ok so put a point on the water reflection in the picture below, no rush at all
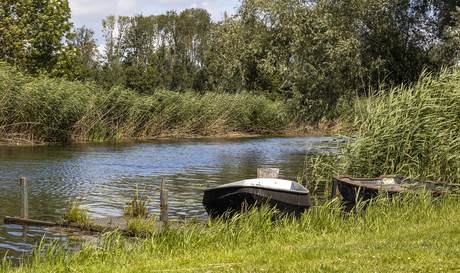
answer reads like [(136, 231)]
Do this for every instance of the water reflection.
[(104, 175)]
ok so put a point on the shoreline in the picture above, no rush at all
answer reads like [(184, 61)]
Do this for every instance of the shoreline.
[(322, 129)]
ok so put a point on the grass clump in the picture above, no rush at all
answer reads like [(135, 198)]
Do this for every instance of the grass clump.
[(138, 207), (389, 235), (75, 213), (142, 227)]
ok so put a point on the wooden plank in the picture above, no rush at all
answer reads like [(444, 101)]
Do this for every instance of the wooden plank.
[(267, 173), (23, 221)]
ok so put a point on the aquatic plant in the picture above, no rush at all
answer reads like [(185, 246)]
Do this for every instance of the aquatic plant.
[(138, 207), (75, 213)]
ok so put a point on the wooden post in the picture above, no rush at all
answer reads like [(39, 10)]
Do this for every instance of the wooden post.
[(24, 205), (267, 173), (163, 201)]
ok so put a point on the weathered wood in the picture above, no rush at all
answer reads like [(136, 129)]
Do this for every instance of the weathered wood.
[(164, 198), (267, 173), (164, 215), (24, 193), (163, 182), (92, 227), (164, 205), (163, 201), (23, 221)]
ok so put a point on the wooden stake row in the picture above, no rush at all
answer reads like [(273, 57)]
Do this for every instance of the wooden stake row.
[(25, 206)]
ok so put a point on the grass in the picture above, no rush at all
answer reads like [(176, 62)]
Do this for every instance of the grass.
[(138, 207), (142, 227), (75, 213), (57, 110), (417, 233), (409, 130)]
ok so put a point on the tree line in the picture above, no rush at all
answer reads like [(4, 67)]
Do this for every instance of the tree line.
[(311, 54)]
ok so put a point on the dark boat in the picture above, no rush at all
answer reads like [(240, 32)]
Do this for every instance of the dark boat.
[(353, 189), (287, 196)]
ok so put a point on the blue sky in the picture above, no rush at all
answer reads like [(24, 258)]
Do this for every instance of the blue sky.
[(91, 12)]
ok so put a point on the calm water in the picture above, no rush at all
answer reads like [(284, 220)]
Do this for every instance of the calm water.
[(104, 175)]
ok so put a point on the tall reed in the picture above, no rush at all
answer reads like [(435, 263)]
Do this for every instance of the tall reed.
[(55, 110), (411, 130)]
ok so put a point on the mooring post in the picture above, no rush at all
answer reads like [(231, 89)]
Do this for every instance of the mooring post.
[(24, 206), (163, 201)]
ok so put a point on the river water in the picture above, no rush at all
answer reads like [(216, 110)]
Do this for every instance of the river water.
[(103, 176)]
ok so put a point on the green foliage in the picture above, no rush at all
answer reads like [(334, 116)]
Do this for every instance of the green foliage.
[(98, 133), (411, 131), (32, 36), (450, 49), (408, 234), (314, 55), (398, 38), (151, 51), (74, 213), (324, 52), (308, 53), (142, 227), (139, 206), (55, 110), (86, 64)]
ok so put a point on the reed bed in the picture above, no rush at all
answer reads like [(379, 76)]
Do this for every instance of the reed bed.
[(411, 232), (410, 130), (57, 110)]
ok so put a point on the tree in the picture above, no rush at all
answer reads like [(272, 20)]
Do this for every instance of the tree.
[(139, 63), (398, 35), (13, 33), (292, 47), (86, 64), (113, 29), (164, 50), (33, 34), (318, 52)]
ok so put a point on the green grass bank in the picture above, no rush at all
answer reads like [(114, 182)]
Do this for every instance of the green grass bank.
[(57, 110), (415, 233)]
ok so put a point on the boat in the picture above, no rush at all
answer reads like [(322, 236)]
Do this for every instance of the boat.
[(353, 189), (287, 196)]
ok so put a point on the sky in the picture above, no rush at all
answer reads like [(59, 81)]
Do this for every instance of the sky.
[(90, 13)]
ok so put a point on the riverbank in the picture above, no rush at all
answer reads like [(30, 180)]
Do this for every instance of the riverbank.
[(415, 233), (46, 110)]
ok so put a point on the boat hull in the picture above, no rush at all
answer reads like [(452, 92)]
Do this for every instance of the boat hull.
[(354, 189), (220, 200)]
